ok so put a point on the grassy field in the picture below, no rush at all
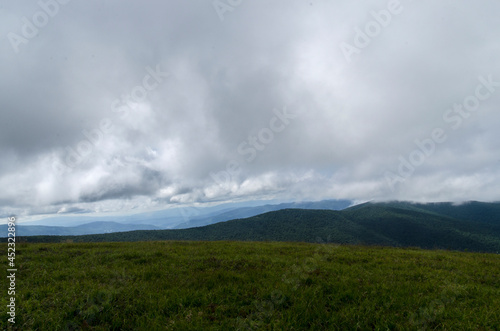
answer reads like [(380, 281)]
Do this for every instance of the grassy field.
[(250, 286)]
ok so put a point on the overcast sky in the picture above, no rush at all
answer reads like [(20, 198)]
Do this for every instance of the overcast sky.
[(126, 105)]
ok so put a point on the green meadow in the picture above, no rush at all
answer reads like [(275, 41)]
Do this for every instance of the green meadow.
[(181, 285)]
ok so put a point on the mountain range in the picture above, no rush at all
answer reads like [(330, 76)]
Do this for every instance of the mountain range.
[(180, 218), (256, 210), (88, 228), (473, 226)]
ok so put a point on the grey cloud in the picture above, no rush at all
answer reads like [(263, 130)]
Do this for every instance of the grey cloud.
[(225, 78)]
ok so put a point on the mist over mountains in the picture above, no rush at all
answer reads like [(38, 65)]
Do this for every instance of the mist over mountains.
[(179, 218), (88, 228), (473, 226)]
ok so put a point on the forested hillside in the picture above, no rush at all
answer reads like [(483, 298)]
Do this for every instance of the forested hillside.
[(387, 224)]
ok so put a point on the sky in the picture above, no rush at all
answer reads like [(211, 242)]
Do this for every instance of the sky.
[(122, 106)]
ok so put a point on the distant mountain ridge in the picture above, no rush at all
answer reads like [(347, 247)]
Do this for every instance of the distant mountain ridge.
[(253, 211), (164, 219), (88, 228), (473, 226)]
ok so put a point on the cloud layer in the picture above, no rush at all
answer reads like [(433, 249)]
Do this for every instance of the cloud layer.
[(121, 105)]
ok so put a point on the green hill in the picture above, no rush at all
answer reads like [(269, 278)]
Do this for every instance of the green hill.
[(172, 285), (471, 211), (473, 227)]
